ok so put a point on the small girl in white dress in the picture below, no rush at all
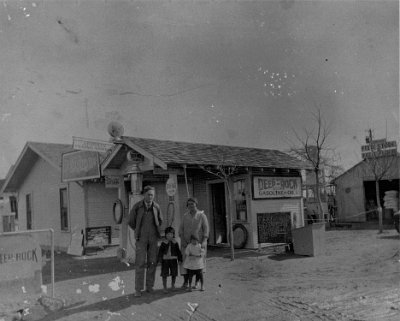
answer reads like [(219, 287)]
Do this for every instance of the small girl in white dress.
[(194, 262)]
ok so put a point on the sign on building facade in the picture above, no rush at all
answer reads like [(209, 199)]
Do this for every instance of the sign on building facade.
[(276, 187), (93, 145)]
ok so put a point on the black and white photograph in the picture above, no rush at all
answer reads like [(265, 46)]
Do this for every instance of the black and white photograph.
[(202, 160)]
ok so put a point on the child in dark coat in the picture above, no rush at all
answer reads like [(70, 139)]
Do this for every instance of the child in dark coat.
[(169, 255)]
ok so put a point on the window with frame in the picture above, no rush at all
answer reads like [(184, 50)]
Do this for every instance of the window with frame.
[(239, 190), (13, 206), (8, 223), (28, 200), (64, 209)]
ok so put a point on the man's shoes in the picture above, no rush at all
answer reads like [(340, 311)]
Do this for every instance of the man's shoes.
[(184, 286), (195, 286), (149, 290), (138, 294)]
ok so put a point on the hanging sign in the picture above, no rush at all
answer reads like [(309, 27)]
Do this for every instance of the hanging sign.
[(91, 144), (80, 165)]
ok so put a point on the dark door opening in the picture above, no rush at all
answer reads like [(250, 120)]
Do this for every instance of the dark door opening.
[(218, 213)]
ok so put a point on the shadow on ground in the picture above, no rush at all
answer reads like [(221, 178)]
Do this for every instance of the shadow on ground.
[(390, 237), (287, 256), (109, 306), (69, 267)]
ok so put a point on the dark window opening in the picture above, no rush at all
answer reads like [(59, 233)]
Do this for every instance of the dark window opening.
[(28, 212), (64, 209)]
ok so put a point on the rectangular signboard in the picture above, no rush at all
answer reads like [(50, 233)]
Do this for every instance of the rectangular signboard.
[(80, 165), (112, 181), (91, 144), (98, 236), (276, 187), (379, 148)]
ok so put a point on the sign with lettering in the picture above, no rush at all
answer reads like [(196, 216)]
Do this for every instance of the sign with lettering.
[(93, 145), (98, 236), (274, 227), (276, 187), (20, 263), (112, 181), (379, 148), (80, 165)]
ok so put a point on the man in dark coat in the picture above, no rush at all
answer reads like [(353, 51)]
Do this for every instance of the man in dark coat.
[(145, 219)]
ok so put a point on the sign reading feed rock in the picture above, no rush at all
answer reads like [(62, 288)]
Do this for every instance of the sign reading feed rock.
[(20, 263), (276, 187)]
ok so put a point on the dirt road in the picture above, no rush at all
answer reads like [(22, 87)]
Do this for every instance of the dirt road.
[(357, 279)]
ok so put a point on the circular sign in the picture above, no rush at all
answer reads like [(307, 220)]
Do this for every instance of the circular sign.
[(171, 187)]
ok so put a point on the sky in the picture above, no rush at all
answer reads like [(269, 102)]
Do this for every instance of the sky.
[(242, 73)]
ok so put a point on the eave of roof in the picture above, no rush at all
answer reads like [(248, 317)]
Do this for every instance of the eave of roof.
[(50, 152), (170, 152)]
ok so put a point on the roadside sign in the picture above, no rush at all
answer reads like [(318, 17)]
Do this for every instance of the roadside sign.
[(93, 145), (80, 165), (378, 148)]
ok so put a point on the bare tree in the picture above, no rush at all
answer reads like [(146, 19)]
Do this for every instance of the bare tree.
[(225, 172), (378, 165), (313, 150)]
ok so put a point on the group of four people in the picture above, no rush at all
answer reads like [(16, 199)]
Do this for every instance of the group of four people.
[(145, 219)]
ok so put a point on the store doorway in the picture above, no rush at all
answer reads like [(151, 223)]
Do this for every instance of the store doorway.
[(218, 213)]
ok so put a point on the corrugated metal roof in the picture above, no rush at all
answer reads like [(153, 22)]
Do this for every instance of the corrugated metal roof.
[(172, 152)]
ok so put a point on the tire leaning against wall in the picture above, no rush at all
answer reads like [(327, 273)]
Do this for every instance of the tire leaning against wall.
[(240, 235)]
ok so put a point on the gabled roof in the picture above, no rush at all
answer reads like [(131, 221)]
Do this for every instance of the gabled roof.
[(171, 152), (396, 165), (51, 153)]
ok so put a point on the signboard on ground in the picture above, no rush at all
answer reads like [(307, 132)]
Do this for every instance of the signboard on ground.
[(274, 227), (379, 148), (98, 236), (80, 165), (93, 145), (276, 187), (20, 264)]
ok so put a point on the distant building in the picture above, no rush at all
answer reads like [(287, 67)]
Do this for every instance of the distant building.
[(356, 197)]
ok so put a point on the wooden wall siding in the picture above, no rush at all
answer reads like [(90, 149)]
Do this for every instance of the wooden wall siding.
[(43, 183), (100, 206), (350, 196)]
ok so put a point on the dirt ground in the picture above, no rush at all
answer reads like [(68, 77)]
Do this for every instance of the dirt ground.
[(357, 279)]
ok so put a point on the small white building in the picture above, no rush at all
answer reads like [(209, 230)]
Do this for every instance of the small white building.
[(44, 201)]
